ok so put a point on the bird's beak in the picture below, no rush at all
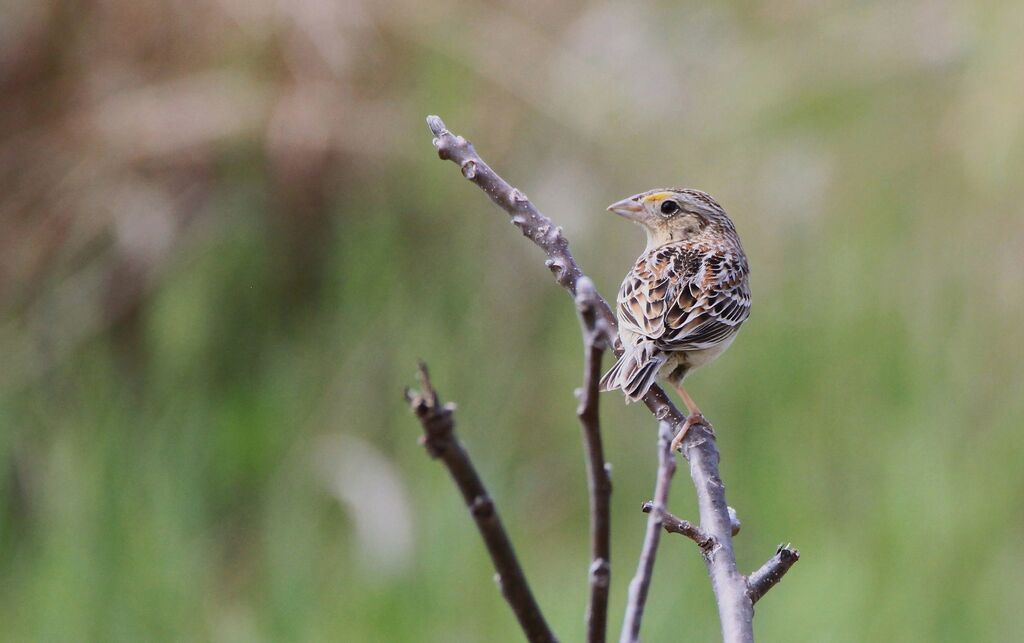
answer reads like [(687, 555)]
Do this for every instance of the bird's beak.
[(628, 208)]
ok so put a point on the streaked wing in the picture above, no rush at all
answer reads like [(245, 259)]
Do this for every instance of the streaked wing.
[(684, 298)]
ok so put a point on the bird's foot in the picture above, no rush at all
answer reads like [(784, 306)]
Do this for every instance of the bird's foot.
[(691, 420)]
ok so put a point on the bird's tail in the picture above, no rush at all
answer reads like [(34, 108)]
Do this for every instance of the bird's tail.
[(635, 371)]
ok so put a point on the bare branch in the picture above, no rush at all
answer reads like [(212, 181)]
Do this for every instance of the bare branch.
[(596, 337), (676, 525), (441, 443), (771, 572), (641, 583), (534, 225), (735, 611)]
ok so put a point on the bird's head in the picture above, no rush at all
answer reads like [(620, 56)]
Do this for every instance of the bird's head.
[(673, 214)]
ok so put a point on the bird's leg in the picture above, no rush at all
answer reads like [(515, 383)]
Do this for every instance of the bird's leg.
[(693, 416)]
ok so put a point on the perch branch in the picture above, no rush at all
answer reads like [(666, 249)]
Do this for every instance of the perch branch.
[(596, 337), (771, 572), (735, 610), (441, 443), (641, 583)]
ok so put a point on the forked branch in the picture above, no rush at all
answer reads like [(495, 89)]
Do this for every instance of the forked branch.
[(735, 603)]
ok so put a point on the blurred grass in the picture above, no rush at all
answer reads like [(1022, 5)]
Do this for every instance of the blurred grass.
[(161, 426)]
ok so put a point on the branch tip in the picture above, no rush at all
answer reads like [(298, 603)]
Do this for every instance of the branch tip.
[(676, 525), (436, 125), (426, 395), (771, 573)]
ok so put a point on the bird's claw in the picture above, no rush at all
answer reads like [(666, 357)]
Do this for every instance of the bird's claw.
[(691, 420)]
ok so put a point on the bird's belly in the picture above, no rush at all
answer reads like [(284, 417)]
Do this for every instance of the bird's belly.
[(695, 359)]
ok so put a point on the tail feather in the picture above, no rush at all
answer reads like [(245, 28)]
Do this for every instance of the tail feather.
[(610, 381), (642, 380), (634, 372)]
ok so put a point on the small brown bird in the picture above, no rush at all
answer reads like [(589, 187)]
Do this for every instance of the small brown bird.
[(683, 302)]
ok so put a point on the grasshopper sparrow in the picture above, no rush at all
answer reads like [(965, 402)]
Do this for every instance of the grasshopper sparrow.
[(682, 303)]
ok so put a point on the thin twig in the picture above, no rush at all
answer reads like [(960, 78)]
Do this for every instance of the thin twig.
[(676, 525), (771, 572), (641, 583), (441, 443), (596, 337)]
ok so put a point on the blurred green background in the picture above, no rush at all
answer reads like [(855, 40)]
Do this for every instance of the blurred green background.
[(225, 239)]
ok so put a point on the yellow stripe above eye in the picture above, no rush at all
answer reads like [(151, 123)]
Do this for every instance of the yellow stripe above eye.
[(657, 196)]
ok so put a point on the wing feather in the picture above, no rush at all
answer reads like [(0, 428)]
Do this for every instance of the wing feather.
[(684, 298)]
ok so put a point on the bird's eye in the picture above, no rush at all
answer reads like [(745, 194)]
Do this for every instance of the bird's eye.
[(669, 207)]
